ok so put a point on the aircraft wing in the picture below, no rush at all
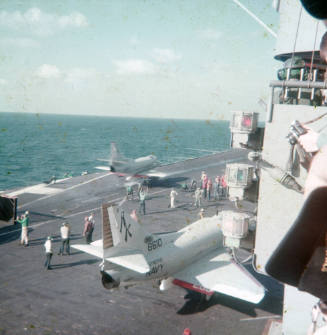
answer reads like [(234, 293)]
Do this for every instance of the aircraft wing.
[(104, 168), (103, 160), (95, 248), (133, 261), (128, 258), (150, 173), (219, 272), (159, 174), (146, 174)]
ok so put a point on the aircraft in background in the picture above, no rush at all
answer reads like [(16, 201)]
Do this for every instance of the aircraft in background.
[(193, 257), (141, 167)]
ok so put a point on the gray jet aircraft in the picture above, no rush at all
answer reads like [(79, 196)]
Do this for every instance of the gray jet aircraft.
[(139, 167), (193, 257)]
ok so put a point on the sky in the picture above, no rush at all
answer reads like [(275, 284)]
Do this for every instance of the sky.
[(167, 59)]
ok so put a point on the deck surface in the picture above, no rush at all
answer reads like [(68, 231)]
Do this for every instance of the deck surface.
[(70, 298)]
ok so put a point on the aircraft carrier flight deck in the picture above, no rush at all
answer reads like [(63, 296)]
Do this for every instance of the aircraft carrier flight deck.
[(70, 298)]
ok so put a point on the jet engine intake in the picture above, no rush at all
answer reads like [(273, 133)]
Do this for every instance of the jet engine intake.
[(108, 282)]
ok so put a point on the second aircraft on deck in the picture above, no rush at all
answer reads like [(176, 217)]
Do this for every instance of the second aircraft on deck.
[(140, 167)]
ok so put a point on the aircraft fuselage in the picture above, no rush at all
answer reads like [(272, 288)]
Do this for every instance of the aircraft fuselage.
[(135, 166), (169, 253)]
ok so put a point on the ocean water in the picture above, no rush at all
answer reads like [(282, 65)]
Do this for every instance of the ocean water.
[(34, 147)]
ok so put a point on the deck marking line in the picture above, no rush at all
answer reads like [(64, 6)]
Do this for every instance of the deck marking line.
[(64, 190)]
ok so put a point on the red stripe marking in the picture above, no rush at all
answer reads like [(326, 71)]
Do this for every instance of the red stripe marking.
[(196, 288)]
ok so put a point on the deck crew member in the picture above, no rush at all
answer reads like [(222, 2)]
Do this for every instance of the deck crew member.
[(216, 188), (237, 203), (204, 181), (193, 185), (92, 220), (209, 188), (129, 192), (173, 195), (198, 195), (87, 230), (48, 252), (142, 201), (201, 213), (223, 186), (24, 221), (65, 237)]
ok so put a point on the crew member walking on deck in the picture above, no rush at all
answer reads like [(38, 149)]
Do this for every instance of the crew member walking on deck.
[(209, 188), (216, 188), (237, 203), (24, 221), (201, 213), (92, 220), (87, 230), (129, 192), (173, 194), (48, 253), (223, 187), (142, 201), (197, 195), (65, 236), (204, 182)]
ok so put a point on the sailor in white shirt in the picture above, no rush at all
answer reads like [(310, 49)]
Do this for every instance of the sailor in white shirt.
[(48, 252), (65, 236), (173, 195)]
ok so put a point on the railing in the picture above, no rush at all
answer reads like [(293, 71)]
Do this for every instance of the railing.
[(300, 84)]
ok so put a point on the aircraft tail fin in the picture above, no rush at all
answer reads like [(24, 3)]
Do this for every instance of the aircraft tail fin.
[(117, 160), (114, 152), (122, 228), (124, 241)]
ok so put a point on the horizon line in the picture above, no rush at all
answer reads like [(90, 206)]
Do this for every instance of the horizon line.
[(124, 117)]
